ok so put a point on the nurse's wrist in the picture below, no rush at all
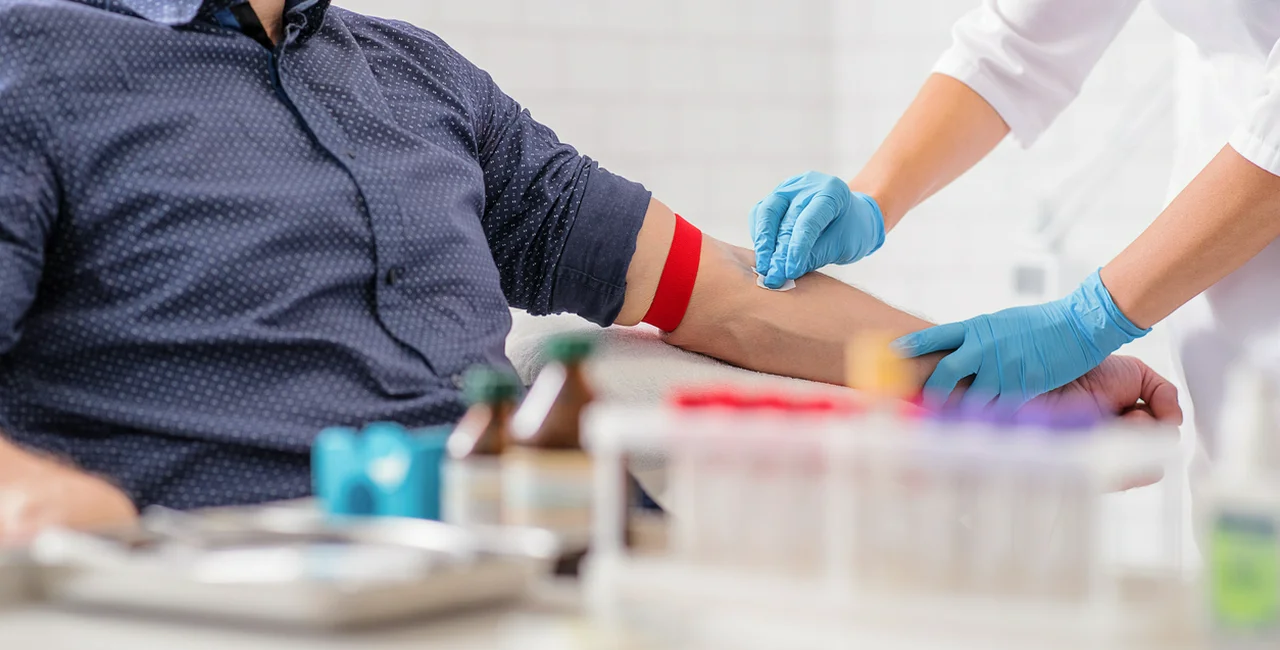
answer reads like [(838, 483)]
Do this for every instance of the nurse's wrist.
[(1125, 299), (1099, 320), (891, 207)]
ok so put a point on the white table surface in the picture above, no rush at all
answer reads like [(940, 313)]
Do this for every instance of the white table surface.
[(550, 619)]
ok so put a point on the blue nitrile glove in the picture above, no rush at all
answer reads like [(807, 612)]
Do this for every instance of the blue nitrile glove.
[(810, 221), (1023, 352)]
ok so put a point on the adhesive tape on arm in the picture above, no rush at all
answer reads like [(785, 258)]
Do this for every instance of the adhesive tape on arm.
[(786, 286)]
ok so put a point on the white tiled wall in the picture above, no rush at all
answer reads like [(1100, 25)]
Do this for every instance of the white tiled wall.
[(710, 103)]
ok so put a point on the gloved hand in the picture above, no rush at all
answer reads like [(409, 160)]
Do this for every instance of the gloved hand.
[(1020, 353), (810, 221)]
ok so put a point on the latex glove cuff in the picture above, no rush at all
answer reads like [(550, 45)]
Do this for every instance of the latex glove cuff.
[(1100, 321), (877, 224)]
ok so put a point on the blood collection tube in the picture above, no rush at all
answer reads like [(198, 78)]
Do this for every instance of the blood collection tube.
[(726, 463), (905, 479), (682, 409), (764, 431), (1057, 533), (884, 379), (878, 498), (1079, 499), (809, 463), (998, 512), (932, 507), (705, 481), (971, 439), (1035, 507), (841, 493)]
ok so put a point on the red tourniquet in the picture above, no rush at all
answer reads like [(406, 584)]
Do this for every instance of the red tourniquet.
[(675, 287)]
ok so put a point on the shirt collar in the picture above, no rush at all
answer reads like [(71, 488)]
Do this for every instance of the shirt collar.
[(184, 12), (170, 12)]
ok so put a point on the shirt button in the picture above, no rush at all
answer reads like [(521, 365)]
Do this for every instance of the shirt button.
[(458, 380), (394, 274)]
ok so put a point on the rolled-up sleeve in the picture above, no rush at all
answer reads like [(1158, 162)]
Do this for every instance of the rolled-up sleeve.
[(28, 198), (1030, 58), (591, 276), (561, 228), (1258, 138)]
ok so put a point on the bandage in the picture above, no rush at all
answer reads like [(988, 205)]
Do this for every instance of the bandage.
[(786, 286), (675, 287)]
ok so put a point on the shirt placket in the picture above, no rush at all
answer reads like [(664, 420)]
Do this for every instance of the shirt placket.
[(376, 198)]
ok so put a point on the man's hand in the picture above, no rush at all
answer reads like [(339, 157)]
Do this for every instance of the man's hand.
[(1123, 386), (38, 493), (1115, 388)]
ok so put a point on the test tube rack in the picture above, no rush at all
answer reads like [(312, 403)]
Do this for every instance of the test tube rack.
[(822, 528)]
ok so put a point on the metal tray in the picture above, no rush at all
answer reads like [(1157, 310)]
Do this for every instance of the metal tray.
[(289, 566), (16, 580)]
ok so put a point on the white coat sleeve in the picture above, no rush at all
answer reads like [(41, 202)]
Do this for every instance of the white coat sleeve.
[(1029, 58), (1258, 138)]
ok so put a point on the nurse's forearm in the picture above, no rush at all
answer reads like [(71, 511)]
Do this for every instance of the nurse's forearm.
[(945, 132), (1224, 218)]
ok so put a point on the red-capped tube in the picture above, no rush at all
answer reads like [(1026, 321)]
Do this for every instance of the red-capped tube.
[(775, 402), (690, 399), (824, 405)]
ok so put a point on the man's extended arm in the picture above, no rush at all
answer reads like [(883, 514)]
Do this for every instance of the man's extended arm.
[(803, 333), (562, 229), (800, 333)]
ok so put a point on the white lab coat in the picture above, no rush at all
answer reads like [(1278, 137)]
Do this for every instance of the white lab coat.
[(1029, 58)]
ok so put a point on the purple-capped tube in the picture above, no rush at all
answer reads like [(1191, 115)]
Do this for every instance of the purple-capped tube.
[(1063, 417)]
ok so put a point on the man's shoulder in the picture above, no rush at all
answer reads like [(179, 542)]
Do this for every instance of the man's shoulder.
[(32, 22), (399, 34), (397, 42), (34, 35), (19, 20), (7, 7), (26, 12)]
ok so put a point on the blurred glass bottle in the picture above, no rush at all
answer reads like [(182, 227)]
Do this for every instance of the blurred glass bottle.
[(547, 477), (1240, 528), (473, 475)]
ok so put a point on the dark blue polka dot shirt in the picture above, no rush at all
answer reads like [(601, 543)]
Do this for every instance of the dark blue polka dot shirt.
[(210, 250)]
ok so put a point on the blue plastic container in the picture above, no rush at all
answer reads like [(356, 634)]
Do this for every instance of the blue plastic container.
[(386, 471)]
